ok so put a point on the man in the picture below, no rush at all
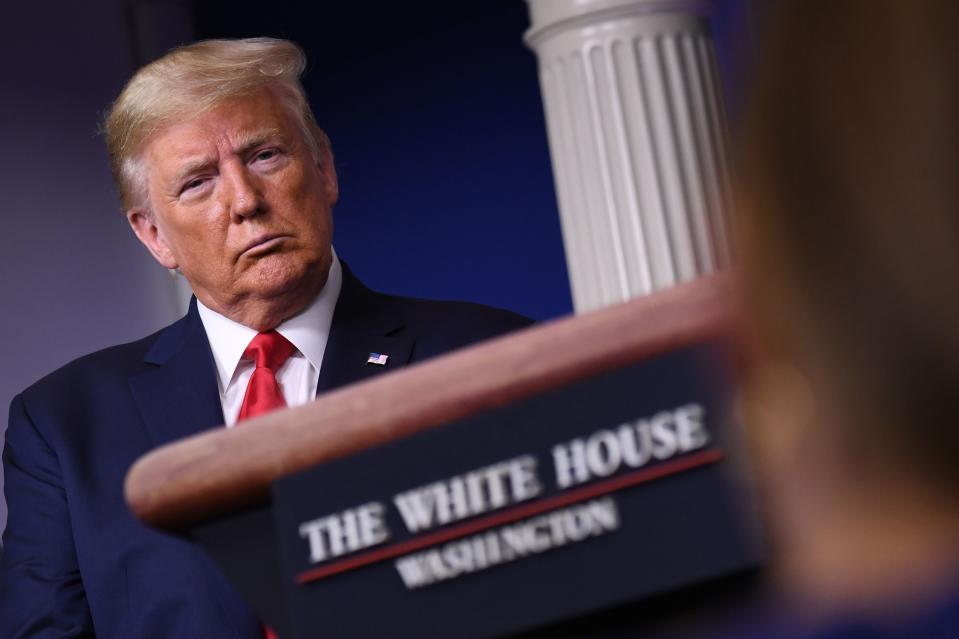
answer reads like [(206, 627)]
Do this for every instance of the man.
[(224, 176)]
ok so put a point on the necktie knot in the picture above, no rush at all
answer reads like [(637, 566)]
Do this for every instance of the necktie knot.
[(269, 350)]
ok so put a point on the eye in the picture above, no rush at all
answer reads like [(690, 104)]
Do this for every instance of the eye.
[(195, 183), (265, 155)]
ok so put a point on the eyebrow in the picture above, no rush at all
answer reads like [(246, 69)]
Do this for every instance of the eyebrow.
[(244, 145), (257, 138)]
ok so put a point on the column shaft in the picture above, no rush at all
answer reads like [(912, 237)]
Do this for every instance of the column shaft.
[(637, 139)]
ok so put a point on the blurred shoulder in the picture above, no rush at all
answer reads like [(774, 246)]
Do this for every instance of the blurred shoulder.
[(459, 316)]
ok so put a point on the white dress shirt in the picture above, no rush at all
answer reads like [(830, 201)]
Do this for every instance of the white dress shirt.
[(308, 332)]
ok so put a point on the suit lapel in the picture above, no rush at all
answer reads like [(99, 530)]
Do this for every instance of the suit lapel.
[(345, 360), (178, 395), (364, 322)]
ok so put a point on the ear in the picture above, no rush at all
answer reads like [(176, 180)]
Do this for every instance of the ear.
[(328, 171), (144, 226)]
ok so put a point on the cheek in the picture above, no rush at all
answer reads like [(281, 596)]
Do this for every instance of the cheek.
[(199, 242), (308, 207)]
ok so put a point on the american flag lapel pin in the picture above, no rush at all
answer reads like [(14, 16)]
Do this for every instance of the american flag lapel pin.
[(379, 359)]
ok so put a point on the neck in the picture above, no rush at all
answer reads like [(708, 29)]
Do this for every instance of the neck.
[(266, 313)]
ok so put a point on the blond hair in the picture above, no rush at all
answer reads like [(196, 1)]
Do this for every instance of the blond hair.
[(195, 78)]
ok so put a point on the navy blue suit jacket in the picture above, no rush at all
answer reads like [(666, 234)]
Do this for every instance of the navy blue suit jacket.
[(75, 560)]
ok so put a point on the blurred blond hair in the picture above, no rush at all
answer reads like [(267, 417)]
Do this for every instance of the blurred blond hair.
[(849, 229)]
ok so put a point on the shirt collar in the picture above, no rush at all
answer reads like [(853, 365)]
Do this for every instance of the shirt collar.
[(308, 331)]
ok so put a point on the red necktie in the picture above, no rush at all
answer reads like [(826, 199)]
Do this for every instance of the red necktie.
[(269, 351)]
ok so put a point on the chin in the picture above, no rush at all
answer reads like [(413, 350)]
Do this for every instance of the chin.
[(285, 277)]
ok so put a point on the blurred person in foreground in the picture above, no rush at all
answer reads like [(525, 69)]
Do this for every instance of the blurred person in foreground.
[(849, 242), (224, 176)]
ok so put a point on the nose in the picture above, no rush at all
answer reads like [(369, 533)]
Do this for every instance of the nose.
[(243, 197)]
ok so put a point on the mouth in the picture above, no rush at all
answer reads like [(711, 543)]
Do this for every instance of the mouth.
[(263, 244)]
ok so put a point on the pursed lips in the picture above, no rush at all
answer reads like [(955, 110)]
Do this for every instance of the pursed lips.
[(262, 244)]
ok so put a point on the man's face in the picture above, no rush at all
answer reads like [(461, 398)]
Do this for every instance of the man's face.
[(241, 207)]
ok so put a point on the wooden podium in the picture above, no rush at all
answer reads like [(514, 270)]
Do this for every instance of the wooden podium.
[(570, 479)]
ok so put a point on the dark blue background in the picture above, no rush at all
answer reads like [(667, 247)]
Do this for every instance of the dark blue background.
[(437, 125)]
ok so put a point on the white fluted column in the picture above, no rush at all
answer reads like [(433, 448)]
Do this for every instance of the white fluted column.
[(637, 139)]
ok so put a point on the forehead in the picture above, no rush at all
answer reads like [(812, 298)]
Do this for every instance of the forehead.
[(226, 127)]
